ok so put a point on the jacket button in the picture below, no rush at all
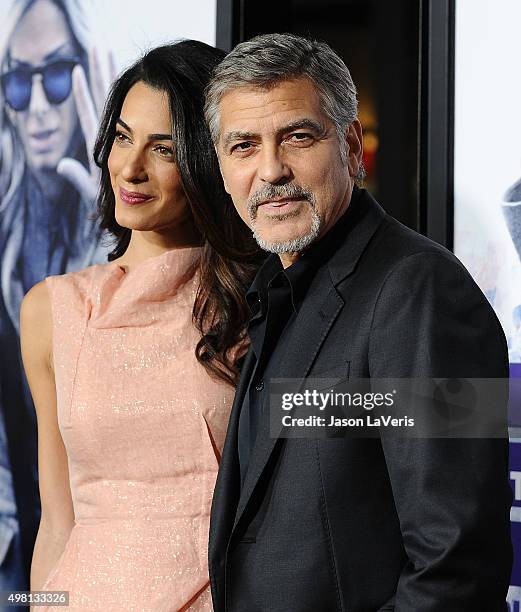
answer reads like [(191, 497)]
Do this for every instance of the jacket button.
[(259, 386)]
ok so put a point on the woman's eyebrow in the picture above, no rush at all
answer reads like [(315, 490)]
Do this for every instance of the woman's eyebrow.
[(150, 136), (124, 125), (58, 52), (160, 137)]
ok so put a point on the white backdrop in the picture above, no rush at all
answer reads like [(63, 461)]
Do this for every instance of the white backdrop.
[(131, 27), (488, 146)]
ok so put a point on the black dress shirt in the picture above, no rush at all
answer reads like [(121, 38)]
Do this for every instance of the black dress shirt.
[(274, 300)]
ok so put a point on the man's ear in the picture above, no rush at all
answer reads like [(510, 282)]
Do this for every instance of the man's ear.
[(354, 142)]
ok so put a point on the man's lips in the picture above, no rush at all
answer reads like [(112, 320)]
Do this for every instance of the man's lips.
[(281, 205), (133, 197)]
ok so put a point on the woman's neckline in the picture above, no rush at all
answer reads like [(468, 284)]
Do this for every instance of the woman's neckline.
[(165, 255)]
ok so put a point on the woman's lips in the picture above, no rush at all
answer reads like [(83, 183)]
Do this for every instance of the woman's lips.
[(43, 135), (133, 197), (43, 141)]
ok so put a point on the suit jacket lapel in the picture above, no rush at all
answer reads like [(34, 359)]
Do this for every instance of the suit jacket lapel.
[(314, 320), (319, 310)]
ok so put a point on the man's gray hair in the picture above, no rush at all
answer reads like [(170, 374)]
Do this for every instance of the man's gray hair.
[(268, 59)]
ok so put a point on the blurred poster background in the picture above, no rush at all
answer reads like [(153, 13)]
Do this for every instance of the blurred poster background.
[(48, 188), (487, 189), (487, 186)]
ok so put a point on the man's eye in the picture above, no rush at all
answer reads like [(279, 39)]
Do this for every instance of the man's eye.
[(241, 146), (300, 137)]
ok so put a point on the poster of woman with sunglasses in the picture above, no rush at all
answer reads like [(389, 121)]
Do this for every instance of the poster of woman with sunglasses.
[(54, 76), (46, 205)]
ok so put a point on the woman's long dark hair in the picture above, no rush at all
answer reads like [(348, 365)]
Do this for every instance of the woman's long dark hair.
[(230, 257)]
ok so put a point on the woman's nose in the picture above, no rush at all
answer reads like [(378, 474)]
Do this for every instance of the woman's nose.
[(38, 103), (134, 168)]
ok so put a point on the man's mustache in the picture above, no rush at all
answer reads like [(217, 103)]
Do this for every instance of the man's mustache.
[(271, 192)]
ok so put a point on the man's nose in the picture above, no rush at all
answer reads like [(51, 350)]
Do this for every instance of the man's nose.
[(134, 168), (272, 167), (38, 103)]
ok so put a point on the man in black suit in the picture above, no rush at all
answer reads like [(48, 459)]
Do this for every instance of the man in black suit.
[(344, 524)]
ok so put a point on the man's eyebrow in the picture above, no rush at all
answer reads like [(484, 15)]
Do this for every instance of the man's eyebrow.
[(302, 124), (237, 135), (298, 124), (150, 136)]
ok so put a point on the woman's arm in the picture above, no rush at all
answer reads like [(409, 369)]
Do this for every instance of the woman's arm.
[(57, 518)]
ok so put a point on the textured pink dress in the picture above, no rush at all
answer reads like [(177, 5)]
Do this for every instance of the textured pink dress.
[(143, 424)]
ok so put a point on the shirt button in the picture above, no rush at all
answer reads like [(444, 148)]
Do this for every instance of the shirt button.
[(259, 386)]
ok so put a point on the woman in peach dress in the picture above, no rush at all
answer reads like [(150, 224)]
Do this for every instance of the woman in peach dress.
[(132, 364)]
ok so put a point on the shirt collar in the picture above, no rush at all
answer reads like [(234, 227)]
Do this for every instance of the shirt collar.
[(299, 274), (257, 294)]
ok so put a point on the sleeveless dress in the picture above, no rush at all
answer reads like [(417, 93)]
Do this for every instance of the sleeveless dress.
[(143, 425)]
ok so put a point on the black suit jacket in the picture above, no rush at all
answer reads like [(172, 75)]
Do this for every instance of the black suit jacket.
[(360, 525)]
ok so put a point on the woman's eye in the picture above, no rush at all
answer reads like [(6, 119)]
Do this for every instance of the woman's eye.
[(120, 137), (165, 151)]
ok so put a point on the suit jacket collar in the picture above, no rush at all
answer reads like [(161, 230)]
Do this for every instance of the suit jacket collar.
[(340, 248), (350, 236), (338, 253)]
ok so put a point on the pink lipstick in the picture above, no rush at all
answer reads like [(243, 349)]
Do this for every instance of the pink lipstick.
[(133, 197)]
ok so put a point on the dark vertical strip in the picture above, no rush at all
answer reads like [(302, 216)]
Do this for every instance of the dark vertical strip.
[(227, 24), (396, 69), (436, 121)]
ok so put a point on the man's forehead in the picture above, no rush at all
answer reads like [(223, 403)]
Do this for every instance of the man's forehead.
[(281, 102)]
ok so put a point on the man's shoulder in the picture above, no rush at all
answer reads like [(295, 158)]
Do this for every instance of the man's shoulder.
[(375, 243), (399, 242), (399, 254), (404, 262)]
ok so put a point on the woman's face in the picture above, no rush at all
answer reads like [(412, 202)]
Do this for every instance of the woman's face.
[(41, 38), (147, 185)]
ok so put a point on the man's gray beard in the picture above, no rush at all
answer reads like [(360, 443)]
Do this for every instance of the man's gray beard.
[(289, 190), (297, 244)]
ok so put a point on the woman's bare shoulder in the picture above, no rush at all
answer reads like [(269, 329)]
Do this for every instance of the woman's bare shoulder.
[(36, 305), (36, 328)]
